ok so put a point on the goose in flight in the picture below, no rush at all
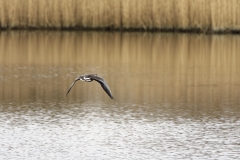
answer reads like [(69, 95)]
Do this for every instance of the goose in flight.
[(90, 78)]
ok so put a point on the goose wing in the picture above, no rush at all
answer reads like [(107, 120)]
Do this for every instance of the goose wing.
[(104, 85), (72, 86)]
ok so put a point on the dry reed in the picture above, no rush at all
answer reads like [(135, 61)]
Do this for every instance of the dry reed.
[(203, 15)]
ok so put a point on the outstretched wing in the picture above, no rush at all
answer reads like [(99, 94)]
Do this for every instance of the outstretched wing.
[(104, 85), (71, 86)]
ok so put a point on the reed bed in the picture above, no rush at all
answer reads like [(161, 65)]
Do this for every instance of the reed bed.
[(202, 15)]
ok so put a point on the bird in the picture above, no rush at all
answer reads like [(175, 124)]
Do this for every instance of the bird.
[(90, 78)]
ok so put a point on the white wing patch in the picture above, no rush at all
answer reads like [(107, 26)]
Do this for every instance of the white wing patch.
[(87, 79)]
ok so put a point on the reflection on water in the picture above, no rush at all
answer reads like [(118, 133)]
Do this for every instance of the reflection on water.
[(176, 96)]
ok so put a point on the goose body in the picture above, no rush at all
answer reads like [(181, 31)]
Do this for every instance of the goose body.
[(90, 78)]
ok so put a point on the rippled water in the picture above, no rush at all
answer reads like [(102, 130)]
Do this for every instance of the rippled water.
[(176, 96)]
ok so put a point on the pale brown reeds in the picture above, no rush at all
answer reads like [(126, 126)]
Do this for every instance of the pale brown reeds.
[(203, 15)]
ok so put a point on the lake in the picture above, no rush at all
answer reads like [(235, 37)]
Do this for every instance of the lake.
[(176, 96)]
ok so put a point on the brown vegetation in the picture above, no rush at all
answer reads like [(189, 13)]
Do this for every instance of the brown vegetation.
[(201, 15)]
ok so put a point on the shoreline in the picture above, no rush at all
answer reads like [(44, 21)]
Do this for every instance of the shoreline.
[(109, 29)]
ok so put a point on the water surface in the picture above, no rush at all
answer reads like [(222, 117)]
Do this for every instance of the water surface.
[(176, 96)]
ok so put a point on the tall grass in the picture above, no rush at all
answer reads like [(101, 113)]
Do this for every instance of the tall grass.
[(213, 15)]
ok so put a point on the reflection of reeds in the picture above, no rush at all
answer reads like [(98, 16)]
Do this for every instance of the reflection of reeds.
[(202, 15), (197, 70)]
